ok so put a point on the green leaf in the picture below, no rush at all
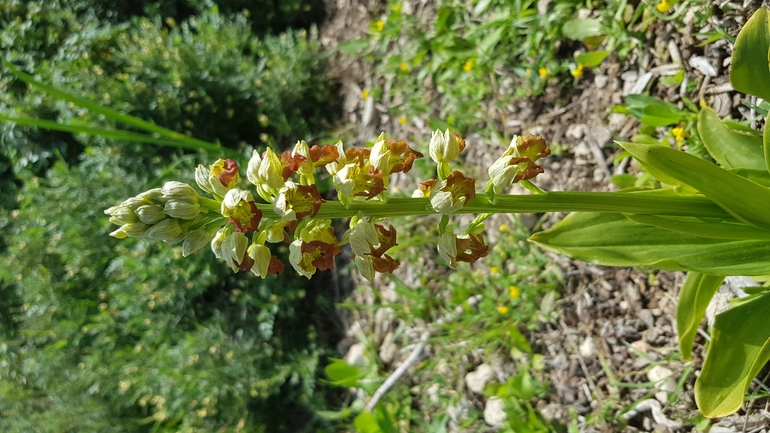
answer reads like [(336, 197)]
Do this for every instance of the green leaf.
[(739, 349), (365, 422), (341, 373), (761, 177), (709, 229), (694, 298), (614, 240), (742, 198), (489, 42), (731, 149), (750, 73), (578, 29), (653, 112), (592, 59)]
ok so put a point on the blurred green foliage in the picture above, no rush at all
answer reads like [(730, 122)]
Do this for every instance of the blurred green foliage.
[(100, 335), (208, 77)]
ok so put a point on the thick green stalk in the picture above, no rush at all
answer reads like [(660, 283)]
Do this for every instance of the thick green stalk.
[(609, 202)]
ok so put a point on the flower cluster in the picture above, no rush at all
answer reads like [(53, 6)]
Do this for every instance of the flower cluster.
[(284, 205)]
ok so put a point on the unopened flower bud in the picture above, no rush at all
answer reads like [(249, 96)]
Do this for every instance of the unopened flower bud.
[(154, 196), (121, 215), (133, 230), (150, 213), (445, 146), (182, 209), (179, 191)]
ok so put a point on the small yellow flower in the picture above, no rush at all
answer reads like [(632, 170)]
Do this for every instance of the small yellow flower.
[(404, 67), (494, 270), (578, 71), (543, 72), (402, 120), (379, 24), (364, 94), (468, 66), (514, 292), (502, 309), (664, 6), (680, 135), (503, 227)]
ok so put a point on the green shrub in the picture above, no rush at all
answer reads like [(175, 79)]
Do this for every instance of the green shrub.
[(208, 77)]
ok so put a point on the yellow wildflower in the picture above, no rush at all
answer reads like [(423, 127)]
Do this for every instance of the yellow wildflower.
[(364, 94), (468, 66), (514, 292), (543, 72), (494, 270), (502, 309), (503, 227), (379, 24), (679, 135), (664, 6), (578, 71), (402, 120), (404, 67)]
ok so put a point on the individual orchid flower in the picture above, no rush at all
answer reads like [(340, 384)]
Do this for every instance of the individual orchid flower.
[(468, 247), (306, 168), (392, 157), (266, 173), (239, 206), (219, 177), (231, 247), (369, 243), (425, 188), (265, 262), (294, 202), (353, 180), (314, 248), (453, 193), (518, 161), (321, 156)]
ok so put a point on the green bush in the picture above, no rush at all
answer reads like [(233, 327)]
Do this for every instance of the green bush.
[(130, 336), (208, 77)]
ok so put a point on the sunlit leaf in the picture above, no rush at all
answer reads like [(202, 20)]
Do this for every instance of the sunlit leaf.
[(731, 149), (614, 240), (694, 298), (742, 198), (750, 73), (578, 29), (739, 349)]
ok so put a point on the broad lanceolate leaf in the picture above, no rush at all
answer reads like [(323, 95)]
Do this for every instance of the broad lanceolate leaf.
[(614, 240), (731, 149), (750, 73), (739, 349), (694, 298), (742, 198), (653, 112), (578, 29)]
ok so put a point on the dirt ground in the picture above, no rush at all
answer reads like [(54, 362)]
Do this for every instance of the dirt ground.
[(615, 322)]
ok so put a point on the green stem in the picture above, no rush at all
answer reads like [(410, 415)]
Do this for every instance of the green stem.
[(609, 202)]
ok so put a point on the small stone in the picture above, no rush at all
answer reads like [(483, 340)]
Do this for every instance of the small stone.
[(388, 349), (587, 348), (494, 412), (663, 378), (703, 65), (478, 379), (355, 355)]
